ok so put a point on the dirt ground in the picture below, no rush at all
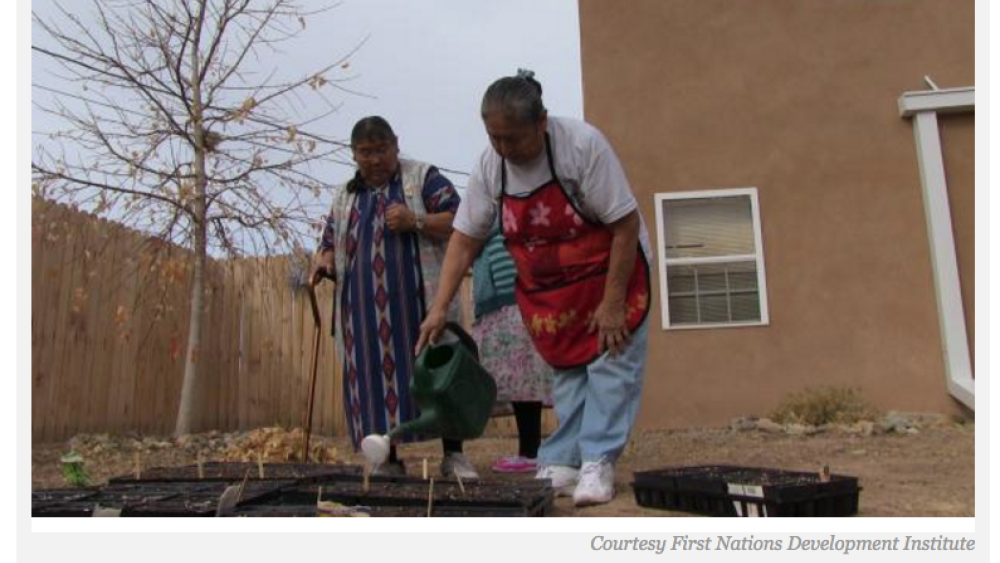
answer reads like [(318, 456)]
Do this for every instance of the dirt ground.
[(926, 472)]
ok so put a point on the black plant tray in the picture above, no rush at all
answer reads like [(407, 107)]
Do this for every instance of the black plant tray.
[(382, 511), (405, 496), (205, 501), (235, 471), (127, 498), (57, 496), (147, 499), (178, 491), (43, 501), (727, 490)]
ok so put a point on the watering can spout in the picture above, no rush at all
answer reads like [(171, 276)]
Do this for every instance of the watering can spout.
[(376, 446), (427, 423)]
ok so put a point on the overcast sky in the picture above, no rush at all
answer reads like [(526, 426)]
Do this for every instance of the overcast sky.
[(426, 64)]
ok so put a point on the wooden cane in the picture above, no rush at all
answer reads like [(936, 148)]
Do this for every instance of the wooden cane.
[(317, 321)]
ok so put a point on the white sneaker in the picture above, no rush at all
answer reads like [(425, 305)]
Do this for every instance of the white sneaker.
[(596, 485), (563, 478), (457, 464)]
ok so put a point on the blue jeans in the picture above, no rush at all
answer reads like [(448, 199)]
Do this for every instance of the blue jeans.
[(596, 406)]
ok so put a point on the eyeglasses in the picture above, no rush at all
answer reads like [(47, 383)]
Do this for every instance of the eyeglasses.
[(370, 153)]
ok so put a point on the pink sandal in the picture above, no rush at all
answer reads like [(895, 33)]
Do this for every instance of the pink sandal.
[(515, 464)]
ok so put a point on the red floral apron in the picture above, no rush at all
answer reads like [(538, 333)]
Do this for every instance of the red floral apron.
[(562, 263)]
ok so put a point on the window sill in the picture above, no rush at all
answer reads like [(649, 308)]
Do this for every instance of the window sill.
[(705, 326)]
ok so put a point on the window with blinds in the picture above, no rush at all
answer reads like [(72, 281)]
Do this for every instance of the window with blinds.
[(711, 263)]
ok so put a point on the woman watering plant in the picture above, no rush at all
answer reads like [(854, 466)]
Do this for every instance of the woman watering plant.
[(574, 231), (383, 245)]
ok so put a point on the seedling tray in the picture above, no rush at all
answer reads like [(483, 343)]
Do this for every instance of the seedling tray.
[(306, 511), (727, 490), (205, 500), (56, 496), (234, 471), (125, 498), (147, 499), (48, 500), (408, 497), (177, 491)]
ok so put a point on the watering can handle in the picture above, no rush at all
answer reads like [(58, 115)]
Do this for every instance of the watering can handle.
[(463, 336)]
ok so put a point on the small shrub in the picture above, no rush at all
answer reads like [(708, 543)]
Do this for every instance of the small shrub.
[(824, 405), (74, 472)]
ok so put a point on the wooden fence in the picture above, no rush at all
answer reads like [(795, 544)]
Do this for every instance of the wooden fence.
[(109, 327)]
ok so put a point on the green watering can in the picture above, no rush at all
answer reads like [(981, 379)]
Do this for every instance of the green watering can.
[(455, 395)]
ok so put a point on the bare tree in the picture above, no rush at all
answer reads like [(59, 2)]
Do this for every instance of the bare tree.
[(173, 123)]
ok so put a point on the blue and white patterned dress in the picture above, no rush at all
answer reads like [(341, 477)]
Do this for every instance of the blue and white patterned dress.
[(381, 304)]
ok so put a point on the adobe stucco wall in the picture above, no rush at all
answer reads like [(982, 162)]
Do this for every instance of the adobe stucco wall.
[(797, 98)]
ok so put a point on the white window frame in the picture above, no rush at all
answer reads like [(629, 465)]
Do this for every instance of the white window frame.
[(758, 256), (923, 108)]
